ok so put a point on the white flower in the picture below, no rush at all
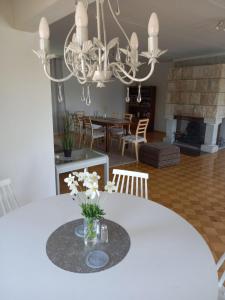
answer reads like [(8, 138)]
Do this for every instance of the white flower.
[(92, 190), (94, 177), (69, 180), (110, 187), (82, 176), (73, 188)]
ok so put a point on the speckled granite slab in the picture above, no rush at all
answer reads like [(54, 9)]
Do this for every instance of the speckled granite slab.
[(68, 252)]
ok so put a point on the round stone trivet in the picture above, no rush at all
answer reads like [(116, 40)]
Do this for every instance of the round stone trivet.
[(68, 252)]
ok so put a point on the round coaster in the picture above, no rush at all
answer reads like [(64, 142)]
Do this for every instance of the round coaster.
[(79, 230), (97, 259), (68, 251)]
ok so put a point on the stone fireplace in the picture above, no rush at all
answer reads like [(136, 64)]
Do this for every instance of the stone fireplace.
[(196, 94)]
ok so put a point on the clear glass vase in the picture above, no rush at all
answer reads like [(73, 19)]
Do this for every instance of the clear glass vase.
[(91, 231)]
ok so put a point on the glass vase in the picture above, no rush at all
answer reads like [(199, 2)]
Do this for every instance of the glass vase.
[(91, 231)]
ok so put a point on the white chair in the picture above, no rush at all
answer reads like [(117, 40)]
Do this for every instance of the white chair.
[(91, 132), (8, 200), (139, 137), (129, 182), (221, 295)]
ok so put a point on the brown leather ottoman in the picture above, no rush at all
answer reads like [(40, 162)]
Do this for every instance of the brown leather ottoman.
[(159, 155)]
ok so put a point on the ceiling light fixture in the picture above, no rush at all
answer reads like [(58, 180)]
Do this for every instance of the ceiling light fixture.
[(94, 61), (220, 26)]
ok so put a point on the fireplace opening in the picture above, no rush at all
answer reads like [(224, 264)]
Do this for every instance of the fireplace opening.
[(190, 131)]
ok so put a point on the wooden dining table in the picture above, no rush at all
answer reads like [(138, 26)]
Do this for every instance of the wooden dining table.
[(108, 123)]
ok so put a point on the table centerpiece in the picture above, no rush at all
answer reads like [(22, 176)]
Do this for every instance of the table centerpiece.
[(85, 187)]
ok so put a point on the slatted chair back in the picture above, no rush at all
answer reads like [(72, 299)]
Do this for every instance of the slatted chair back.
[(128, 117), (78, 122), (220, 264), (8, 200), (142, 127), (133, 183), (80, 114), (88, 125)]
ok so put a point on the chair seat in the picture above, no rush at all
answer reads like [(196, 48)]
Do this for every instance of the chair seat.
[(98, 135), (134, 139), (117, 131), (96, 127)]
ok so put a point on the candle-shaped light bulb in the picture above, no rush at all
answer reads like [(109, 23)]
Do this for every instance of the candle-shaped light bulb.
[(81, 21), (153, 25), (153, 31), (44, 32), (81, 17), (134, 41)]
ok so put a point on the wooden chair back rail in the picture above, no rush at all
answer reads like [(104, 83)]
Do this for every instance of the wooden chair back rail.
[(133, 183), (128, 117), (8, 201), (142, 127), (219, 264)]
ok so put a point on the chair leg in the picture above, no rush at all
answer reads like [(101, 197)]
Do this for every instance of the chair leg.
[(92, 142), (123, 147), (136, 151)]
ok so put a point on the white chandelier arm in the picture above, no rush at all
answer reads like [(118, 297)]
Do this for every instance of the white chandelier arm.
[(116, 65), (104, 37), (122, 78), (55, 79), (117, 22), (99, 33), (65, 47)]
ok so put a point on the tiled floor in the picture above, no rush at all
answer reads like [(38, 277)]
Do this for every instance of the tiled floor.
[(195, 189)]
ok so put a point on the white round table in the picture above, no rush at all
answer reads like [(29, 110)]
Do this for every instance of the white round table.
[(168, 258)]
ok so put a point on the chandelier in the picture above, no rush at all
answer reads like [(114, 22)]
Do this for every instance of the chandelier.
[(99, 61)]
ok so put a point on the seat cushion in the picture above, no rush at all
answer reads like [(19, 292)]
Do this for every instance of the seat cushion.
[(134, 138)]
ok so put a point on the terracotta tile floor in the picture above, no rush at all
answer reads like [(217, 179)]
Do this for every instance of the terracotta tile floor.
[(195, 189)]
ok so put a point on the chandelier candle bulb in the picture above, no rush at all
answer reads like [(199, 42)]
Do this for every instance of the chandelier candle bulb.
[(81, 21), (153, 31), (44, 34), (134, 47)]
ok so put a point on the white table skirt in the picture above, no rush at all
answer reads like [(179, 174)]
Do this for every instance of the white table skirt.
[(168, 258)]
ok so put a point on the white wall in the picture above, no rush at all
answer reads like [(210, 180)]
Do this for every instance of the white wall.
[(26, 138)]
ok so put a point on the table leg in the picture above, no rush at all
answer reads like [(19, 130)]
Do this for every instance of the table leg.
[(106, 171), (107, 139), (57, 183)]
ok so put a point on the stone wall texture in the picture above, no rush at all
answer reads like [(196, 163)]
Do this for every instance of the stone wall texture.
[(197, 91)]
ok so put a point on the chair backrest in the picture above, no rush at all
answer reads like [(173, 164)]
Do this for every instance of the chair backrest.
[(8, 200), (88, 125), (79, 113), (114, 115), (129, 182), (221, 264), (78, 121), (128, 117), (142, 127)]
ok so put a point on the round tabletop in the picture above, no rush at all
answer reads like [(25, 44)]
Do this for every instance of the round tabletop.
[(168, 258)]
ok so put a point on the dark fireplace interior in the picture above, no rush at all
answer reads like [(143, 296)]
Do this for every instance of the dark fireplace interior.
[(190, 131)]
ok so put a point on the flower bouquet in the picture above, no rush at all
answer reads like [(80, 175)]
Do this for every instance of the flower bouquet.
[(84, 185)]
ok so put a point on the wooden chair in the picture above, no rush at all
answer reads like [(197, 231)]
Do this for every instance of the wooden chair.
[(91, 132), (221, 294), (8, 200), (78, 123), (133, 183), (139, 137), (116, 132)]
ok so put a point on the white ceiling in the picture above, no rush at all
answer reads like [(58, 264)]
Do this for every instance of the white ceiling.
[(187, 27)]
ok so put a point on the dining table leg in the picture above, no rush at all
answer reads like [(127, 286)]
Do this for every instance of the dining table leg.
[(107, 138)]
